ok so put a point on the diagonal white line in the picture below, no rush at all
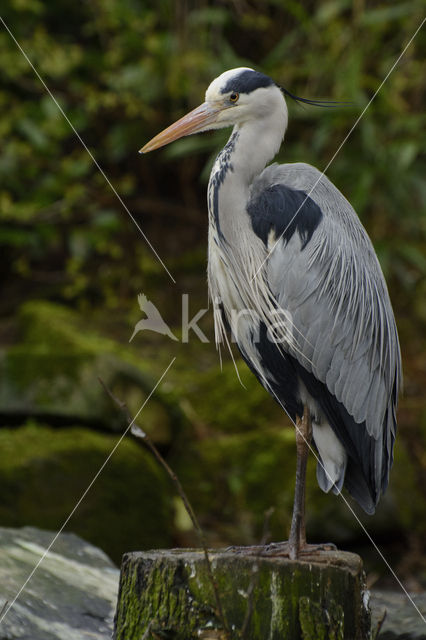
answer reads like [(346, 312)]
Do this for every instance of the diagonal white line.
[(356, 123), (147, 399), (318, 459), (96, 163)]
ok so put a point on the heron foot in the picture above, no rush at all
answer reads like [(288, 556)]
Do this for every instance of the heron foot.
[(283, 549)]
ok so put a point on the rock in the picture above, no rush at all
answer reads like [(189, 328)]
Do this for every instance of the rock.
[(402, 621), (232, 446), (71, 595), (170, 593), (52, 375), (44, 472)]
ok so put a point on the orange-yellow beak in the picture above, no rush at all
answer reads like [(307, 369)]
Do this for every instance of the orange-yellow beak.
[(200, 119)]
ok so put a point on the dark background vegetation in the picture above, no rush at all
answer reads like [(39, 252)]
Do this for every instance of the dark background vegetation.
[(72, 262)]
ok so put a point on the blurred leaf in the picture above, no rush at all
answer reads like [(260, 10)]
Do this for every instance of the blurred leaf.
[(385, 14), (124, 70)]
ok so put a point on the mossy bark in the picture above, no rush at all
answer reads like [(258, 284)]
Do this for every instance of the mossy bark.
[(168, 594)]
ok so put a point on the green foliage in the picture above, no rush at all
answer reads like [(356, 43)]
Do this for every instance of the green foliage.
[(122, 70)]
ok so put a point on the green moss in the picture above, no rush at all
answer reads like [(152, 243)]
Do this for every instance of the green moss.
[(231, 406), (54, 371), (311, 620), (231, 477), (44, 472), (163, 601), (241, 474), (171, 590), (48, 328), (406, 481), (235, 478), (320, 622)]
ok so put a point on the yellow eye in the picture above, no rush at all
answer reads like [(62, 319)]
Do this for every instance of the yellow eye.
[(234, 97)]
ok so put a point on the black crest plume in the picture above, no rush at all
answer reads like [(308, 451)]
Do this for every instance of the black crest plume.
[(315, 103)]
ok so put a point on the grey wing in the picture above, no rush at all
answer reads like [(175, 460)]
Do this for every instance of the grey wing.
[(345, 338)]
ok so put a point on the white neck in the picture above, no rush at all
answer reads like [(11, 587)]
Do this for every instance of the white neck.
[(251, 146), (258, 142), (236, 253)]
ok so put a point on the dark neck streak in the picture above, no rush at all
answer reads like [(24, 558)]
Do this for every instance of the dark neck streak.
[(224, 164)]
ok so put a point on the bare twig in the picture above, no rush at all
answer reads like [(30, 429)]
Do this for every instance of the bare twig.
[(139, 433), (3, 609), (375, 632), (255, 576)]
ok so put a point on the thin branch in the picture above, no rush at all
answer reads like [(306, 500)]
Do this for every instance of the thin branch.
[(375, 632), (137, 432), (4, 607)]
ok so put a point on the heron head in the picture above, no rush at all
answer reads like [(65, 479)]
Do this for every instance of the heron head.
[(234, 98)]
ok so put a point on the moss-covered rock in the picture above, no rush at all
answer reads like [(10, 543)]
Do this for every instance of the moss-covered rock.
[(52, 373), (229, 402), (408, 480), (234, 478), (44, 472), (232, 445)]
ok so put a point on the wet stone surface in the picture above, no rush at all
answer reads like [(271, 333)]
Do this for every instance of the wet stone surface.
[(71, 596), (402, 621)]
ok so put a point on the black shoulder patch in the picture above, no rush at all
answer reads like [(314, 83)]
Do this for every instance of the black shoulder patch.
[(284, 210), (247, 81)]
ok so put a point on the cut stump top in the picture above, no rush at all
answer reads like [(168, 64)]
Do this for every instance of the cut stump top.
[(169, 594)]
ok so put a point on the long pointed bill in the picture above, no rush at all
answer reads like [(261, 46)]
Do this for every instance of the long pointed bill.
[(197, 120)]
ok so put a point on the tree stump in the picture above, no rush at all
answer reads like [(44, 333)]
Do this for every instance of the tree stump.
[(168, 594)]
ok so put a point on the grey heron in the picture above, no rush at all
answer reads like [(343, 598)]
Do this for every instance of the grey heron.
[(294, 277)]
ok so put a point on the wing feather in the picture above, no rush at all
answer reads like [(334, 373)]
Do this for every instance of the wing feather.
[(333, 287)]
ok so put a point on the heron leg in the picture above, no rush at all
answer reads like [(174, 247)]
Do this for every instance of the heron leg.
[(297, 540), (296, 545)]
